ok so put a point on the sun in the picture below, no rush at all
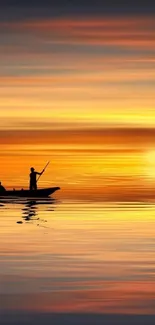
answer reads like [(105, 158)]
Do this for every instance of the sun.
[(150, 156), (150, 164)]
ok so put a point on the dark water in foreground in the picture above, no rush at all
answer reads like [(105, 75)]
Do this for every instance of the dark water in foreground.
[(77, 262)]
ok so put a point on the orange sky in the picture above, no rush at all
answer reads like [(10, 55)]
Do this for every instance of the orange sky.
[(77, 84), (77, 88), (61, 72)]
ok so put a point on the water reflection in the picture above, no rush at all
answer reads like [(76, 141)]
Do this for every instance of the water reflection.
[(101, 254), (30, 208)]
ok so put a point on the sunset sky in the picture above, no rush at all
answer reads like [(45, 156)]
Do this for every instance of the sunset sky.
[(77, 75), (77, 88)]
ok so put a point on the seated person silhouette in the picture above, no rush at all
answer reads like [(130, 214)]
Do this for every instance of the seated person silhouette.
[(2, 188), (33, 179)]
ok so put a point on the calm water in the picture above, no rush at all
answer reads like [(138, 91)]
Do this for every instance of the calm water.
[(76, 257)]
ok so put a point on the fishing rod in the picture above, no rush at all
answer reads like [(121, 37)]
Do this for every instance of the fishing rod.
[(43, 170)]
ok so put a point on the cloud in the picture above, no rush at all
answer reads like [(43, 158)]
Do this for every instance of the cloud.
[(113, 30), (132, 137)]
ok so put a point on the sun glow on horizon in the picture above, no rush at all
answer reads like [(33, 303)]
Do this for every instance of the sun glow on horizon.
[(150, 164)]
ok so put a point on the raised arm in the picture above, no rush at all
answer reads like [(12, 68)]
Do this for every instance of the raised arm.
[(41, 172), (37, 173)]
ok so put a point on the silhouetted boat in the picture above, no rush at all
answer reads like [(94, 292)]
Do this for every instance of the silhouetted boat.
[(43, 192)]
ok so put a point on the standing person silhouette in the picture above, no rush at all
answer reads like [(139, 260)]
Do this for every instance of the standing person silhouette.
[(33, 179)]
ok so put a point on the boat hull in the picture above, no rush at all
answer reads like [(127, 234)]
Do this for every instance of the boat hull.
[(44, 192)]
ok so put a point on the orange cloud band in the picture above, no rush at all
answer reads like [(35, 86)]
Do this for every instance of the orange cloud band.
[(128, 31)]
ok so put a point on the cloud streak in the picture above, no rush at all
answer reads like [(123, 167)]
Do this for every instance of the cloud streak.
[(93, 70), (132, 137), (118, 31)]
